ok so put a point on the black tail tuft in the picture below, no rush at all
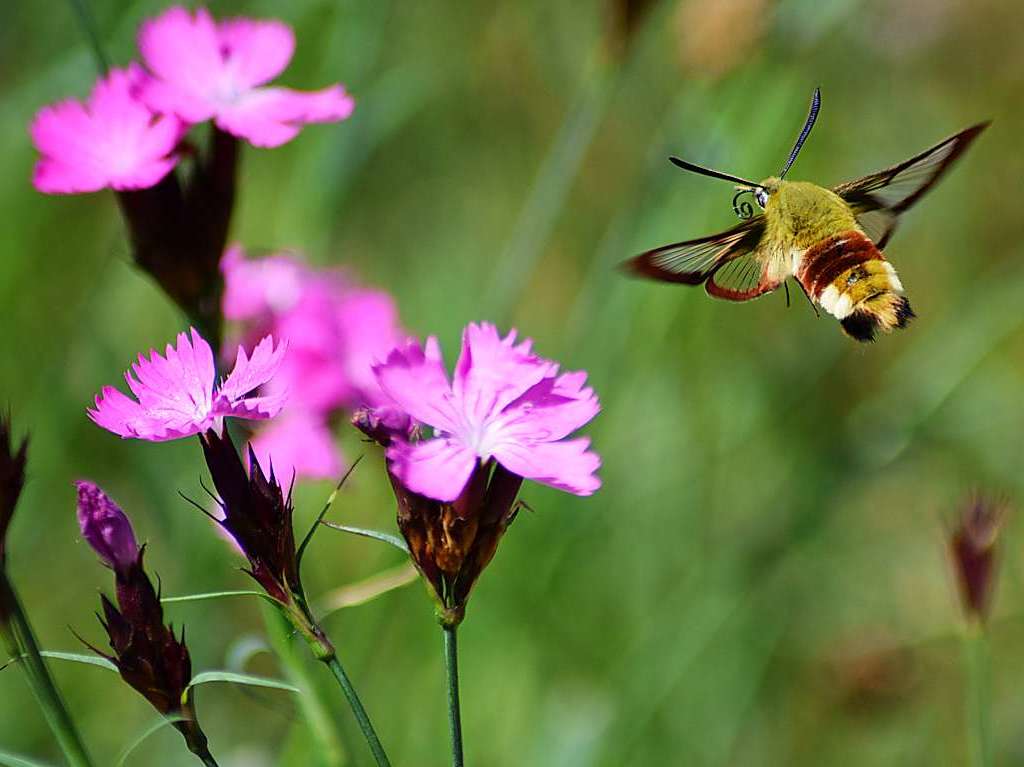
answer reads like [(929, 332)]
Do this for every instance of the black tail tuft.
[(861, 326), (904, 314)]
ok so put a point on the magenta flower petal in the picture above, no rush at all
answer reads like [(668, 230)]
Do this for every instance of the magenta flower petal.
[(551, 410), (505, 403), (270, 117), (207, 70), (493, 371), (176, 396), (299, 444), (247, 376), (566, 465), (105, 527), (184, 53), (113, 140), (259, 50), (437, 468), (256, 287), (414, 379)]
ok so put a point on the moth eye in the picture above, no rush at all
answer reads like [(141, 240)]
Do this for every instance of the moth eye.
[(761, 196)]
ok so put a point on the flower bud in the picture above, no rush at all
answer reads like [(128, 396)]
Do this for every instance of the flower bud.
[(257, 514), (452, 543), (106, 528), (12, 478), (973, 543)]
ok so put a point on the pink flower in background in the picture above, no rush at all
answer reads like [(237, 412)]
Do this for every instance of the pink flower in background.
[(112, 140), (335, 331), (203, 69), (176, 393), (504, 402), (298, 443), (255, 288)]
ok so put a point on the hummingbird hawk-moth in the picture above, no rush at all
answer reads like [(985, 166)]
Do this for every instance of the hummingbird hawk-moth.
[(829, 240)]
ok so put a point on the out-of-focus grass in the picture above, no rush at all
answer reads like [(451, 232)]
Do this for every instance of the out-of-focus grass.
[(761, 580)]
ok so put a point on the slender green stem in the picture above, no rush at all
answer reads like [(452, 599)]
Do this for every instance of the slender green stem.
[(451, 662), (328, 739), (360, 712), (21, 642), (979, 724), (85, 18)]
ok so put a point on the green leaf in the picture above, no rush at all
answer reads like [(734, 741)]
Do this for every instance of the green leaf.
[(234, 678), (323, 512), (90, 660), (217, 595), (368, 589), (158, 724), (378, 535), (13, 760)]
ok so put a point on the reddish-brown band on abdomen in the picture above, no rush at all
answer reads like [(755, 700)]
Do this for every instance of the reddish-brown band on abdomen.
[(822, 263)]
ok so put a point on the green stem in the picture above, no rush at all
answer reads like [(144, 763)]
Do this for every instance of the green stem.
[(357, 708), (979, 731), (979, 696), (20, 642), (451, 662), (88, 23), (329, 744), (208, 760)]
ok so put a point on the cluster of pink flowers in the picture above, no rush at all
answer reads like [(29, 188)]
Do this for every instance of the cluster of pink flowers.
[(195, 69), (335, 331)]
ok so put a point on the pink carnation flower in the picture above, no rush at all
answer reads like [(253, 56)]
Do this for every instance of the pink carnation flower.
[(176, 393), (112, 140), (206, 70), (504, 403)]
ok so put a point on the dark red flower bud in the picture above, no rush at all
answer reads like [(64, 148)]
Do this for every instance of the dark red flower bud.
[(148, 655), (973, 547), (178, 233), (452, 543), (257, 514), (12, 478)]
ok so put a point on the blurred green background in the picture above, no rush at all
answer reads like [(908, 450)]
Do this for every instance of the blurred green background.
[(762, 579)]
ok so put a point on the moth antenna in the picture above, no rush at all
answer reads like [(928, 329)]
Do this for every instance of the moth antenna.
[(812, 115), (712, 173)]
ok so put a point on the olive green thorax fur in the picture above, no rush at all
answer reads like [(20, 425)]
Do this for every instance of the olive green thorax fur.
[(800, 214)]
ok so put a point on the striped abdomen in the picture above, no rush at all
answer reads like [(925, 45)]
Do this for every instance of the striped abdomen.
[(851, 280)]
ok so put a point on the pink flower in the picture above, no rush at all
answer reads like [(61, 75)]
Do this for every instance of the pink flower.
[(298, 443), (205, 70), (335, 329), (504, 403), (255, 288), (113, 140), (176, 393)]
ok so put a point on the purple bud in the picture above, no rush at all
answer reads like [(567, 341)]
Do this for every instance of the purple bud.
[(106, 527), (384, 424)]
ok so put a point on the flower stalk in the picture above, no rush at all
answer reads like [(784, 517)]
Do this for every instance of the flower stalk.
[(258, 514), (16, 633), (20, 642), (977, 661), (451, 657)]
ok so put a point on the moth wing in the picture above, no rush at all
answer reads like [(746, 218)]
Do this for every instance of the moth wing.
[(879, 199), (749, 275), (737, 253)]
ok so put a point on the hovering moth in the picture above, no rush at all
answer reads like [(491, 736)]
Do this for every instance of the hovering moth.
[(829, 240)]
